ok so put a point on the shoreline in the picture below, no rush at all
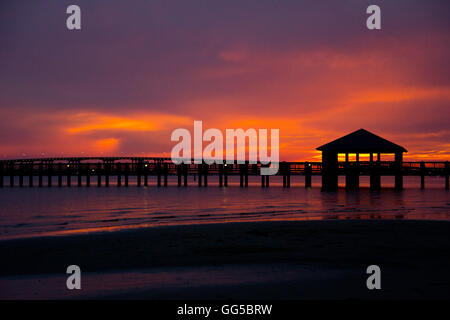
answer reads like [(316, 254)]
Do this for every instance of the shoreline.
[(410, 252), (146, 226), (245, 237)]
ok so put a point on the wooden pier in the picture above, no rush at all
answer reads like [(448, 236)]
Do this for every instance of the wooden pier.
[(86, 171)]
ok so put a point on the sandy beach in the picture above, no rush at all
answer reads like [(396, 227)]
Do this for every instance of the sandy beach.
[(273, 260)]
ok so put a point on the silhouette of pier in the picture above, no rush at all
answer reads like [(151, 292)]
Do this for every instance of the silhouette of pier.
[(88, 171), (85, 171)]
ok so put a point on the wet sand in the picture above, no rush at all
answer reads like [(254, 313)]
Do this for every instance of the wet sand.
[(277, 260)]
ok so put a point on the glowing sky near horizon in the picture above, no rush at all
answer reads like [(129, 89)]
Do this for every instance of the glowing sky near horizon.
[(140, 69)]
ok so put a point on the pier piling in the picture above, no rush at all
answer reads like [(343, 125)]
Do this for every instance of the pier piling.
[(11, 174), (241, 175), (220, 175), (422, 175), (179, 174), (138, 168), (158, 172), (1, 175), (107, 173), (166, 173), (185, 174), (225, 175), (246, 175), (49, 173), (145, 175), (119, 174), (30, 175), (41, 169), (138, 173), (59, 166), (200, 172), (308, 174), (88, 175), (69, 175), (99, 175), (446, 175), (205, 175), (127, 171), (21, 175), (79, 174)]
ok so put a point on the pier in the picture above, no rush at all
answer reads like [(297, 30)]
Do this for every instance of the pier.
[(97, 171), (358, 143)]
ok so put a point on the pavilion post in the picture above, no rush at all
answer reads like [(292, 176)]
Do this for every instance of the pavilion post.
[(398, 171), (329, 171), (352, 176), (375, 176)]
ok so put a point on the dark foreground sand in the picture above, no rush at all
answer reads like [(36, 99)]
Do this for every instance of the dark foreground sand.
[(278, 260)]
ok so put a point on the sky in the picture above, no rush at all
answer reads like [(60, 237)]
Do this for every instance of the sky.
[(139, 69)]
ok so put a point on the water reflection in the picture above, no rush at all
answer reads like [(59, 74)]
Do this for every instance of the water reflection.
[(36, 211)]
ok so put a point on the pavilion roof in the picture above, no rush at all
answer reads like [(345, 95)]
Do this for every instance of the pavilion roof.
[(362, 141)]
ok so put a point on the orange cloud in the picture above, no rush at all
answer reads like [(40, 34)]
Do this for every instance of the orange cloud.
[(107, 145), (86, 122), (401, 94)]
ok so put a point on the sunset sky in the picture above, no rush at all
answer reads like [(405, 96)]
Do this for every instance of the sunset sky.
[(137, 70)]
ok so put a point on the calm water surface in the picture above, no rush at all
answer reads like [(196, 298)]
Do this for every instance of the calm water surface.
[(27, 212)]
